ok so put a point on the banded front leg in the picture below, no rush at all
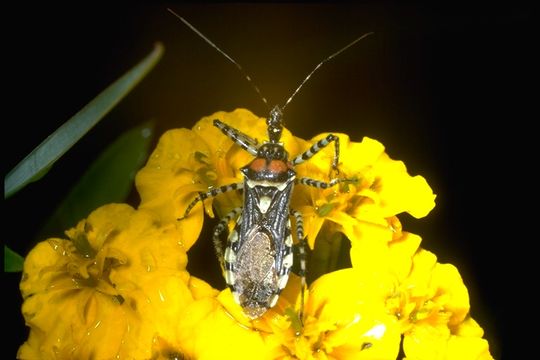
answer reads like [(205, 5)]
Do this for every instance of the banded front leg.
[(212, 193), (321, 184), (302, 245), (244, 141), (318, 146)]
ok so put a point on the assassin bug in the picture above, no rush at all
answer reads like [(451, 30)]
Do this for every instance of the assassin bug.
[(258, 256)]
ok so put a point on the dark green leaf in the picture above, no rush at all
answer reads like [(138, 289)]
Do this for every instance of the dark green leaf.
[(13, 262), (35, 164), (108, 179)]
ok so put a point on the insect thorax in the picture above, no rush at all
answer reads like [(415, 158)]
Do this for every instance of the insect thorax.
[(271, 165)]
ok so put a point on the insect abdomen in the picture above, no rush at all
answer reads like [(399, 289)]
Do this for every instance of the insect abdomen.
[(254, 271)]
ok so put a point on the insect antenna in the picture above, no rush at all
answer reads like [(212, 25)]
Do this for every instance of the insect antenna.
[(248, 78), (321, 63)]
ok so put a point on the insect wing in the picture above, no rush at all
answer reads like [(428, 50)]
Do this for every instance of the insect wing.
[(259, 254)]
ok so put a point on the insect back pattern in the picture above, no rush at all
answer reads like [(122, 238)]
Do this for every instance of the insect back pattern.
[(258, 255)]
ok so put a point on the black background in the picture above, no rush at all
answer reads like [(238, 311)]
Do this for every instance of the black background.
[(446, 89)]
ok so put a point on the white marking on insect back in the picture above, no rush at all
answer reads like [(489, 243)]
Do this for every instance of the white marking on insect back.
[(282, 282), (236, 297), (229, 256), (288, 239), (230, 278), (264, 203), (279, 186), (288, 260), (234, 237), (273, 300)]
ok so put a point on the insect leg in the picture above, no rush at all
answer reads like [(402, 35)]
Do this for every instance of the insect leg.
[(321, 184), (244, 141), (220, 227), (212, 193), (302, 255), (315, 148)]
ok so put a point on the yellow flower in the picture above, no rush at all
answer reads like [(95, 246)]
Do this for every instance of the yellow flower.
[(365, 209), (122, 275), (432, 305), (119, 277)]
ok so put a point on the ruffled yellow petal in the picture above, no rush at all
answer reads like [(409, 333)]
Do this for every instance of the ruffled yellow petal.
[(418, 281), (468, 348), (175, 170), (369, 252), (399, 192), (427, 342), (119, 277), (433, 305), (392, 188), (240, 119), (379, 188), (73, 325), (344, 318), (449, 292), (468, 328), (401, 252), (208, 331)]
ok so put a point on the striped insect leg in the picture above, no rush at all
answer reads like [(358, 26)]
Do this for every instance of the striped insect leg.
[(226, 258), (315, 148), (321, 184), (243, 140), (302, 245), (212, 193)]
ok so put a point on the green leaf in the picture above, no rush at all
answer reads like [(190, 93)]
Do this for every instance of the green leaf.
[(35, 164), (13, 262), (108, 179)]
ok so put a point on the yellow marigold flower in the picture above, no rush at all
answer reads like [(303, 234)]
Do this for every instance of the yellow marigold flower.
[(393, 283), (122, 275), (429, 299), (110, 291)]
